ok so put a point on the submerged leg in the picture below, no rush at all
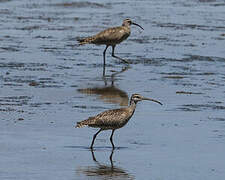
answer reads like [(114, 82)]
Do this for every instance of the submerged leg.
[(103, 72), (104, 54), (113, 55), (111, 139), (94, 138), (111, 160), (93, 155)]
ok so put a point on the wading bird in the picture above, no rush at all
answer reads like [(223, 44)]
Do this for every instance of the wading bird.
[(113, 119), (111, 37)]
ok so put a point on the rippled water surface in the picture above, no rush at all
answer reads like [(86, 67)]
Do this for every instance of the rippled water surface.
[(48, 83)]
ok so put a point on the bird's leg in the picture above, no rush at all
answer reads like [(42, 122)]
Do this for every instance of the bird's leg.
[(94, 138), (113, 55), (104, 54), (111, 139), (110, 158), (103, 72)]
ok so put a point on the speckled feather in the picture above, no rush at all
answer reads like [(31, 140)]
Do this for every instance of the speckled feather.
[(110, 36), (110, 119)]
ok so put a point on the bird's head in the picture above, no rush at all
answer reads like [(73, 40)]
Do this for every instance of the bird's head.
[(128, 22), (137, 97)]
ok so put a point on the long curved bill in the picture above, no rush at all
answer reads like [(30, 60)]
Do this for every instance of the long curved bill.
[(137, 25), (144, 98)]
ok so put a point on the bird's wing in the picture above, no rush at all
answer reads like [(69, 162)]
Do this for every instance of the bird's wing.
[(110, 36), (111, 118)]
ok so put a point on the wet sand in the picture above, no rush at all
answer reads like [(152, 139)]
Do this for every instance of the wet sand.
[(48, 83)]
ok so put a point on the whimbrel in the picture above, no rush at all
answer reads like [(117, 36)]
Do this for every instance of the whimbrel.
[(113, 119), (111, 37)]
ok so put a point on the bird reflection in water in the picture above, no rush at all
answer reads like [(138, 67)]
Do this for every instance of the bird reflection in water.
[(109, 93), (103, 171)]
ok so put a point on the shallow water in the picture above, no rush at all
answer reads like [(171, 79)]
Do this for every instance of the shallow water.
[(48, 83)]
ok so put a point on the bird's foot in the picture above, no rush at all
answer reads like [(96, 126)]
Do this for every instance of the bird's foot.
[(124, 60)]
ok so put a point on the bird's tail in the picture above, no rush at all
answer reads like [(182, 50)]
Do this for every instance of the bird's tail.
[(84, 123), (86, 40)]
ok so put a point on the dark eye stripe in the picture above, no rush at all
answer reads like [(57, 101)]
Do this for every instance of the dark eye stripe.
[(136, 97)]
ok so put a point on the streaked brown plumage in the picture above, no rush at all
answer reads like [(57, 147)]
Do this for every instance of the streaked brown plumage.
[(111, 37), (113, 119)]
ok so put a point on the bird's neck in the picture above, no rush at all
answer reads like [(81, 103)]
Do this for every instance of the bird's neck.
[(126, 25), (132, 105), (131, 108)]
